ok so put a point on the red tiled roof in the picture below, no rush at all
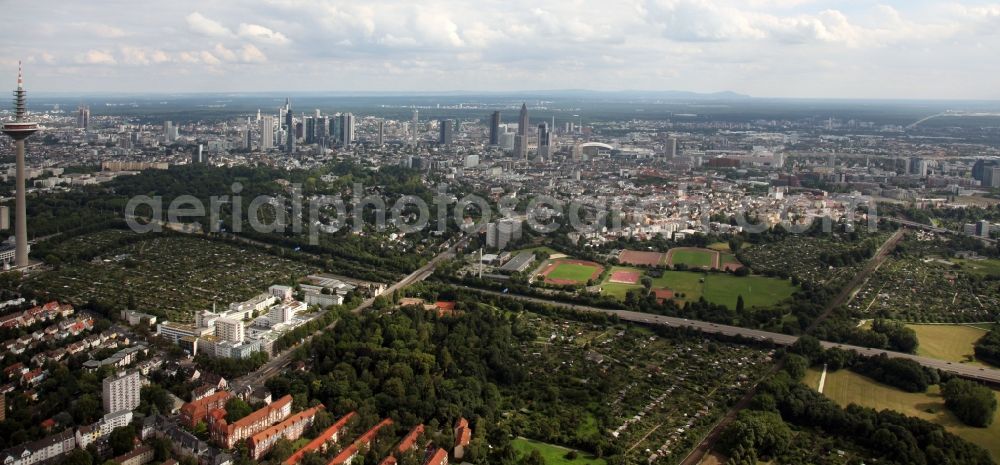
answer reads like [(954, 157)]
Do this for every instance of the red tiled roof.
[(390, 460), (323, 437), (262, 412), (280, 427), (440, 457), (411, 438), (362, 440)]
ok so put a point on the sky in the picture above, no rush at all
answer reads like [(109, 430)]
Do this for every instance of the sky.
[(917, 49)]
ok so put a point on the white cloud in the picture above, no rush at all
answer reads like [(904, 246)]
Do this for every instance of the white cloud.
[(252, 54), (224, 53), (205, 26), (103, 31), (209, 59), (262, 34), (96, 57)]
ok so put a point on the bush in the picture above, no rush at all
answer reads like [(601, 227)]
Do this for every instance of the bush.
[(972, 403)]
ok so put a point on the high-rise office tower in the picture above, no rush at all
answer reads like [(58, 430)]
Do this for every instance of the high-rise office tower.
[(121, 391), (444, 132), (414, 126), (267, 133), (19, 130), (83, 117), (168, 131), (544, 141), (521, 140), (381, 133), (310, 129), (322, 127), (289, 128), (495, 128), (347, 129), (670, 150), (198, 156)]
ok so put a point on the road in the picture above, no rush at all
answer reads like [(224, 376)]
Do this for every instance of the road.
[(935, 229), (280, 361)]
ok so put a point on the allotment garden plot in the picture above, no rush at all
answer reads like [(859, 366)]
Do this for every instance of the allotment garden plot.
[(652, 396), (807, 258), (927, 290), (171, 276)]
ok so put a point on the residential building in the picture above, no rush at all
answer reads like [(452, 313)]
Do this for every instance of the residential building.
[(331, 434), (350, 452), (291, 428), (227, 435), (43, 451), (121, 391), (463, 436), (198, 410)]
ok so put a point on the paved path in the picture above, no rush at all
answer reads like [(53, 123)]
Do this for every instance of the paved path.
[(822, 380)]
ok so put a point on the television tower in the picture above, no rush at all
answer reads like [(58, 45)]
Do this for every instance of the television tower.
[(19, 130)]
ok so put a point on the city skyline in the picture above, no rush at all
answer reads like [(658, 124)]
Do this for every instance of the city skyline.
[(763, 48)]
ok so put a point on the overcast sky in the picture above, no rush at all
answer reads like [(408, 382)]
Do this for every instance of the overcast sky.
[(765, 48)]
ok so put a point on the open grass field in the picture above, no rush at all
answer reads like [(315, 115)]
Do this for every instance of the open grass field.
[(757, 291), (719, 246), (641, 258), (980, 267), (553, 455), (846, 387), (571, 271), (954, 343), (616, 289), (693, 257), (719, 288)]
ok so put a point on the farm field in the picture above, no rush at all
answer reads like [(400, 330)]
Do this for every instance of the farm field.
[(171, 276), (553, 455), (846, 387), (955, 343)]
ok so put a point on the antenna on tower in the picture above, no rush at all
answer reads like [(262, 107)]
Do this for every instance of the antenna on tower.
[(20, 76)]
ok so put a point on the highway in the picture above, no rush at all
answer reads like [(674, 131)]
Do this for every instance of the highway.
[(935, 229), (280, 361), (988, 375)]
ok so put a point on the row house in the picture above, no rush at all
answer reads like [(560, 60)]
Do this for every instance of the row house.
[(291, 429), (362, 442), (228, 435), (47, 450), (329, 435)]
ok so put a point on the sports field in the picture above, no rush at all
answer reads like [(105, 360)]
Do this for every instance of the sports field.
[(554, 455), (693, 257), (624, 277), (641, 258), (846, 387), (954, 343), (571, 271), (619, 289)]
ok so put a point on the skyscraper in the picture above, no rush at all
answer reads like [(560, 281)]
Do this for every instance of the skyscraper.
[(347, 129), (381, 133), (19, 130), (544, 142), (670, 149), (445, 132), (83, 117), (267, 133), (521, 140), (169, 132), (413, 126), (121, 391), (289, 128), (495, 128)]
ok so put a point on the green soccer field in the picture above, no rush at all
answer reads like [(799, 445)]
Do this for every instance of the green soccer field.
[(693, 258), (573, 272)]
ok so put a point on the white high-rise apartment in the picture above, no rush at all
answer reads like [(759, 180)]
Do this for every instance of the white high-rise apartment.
[(121, 391)]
